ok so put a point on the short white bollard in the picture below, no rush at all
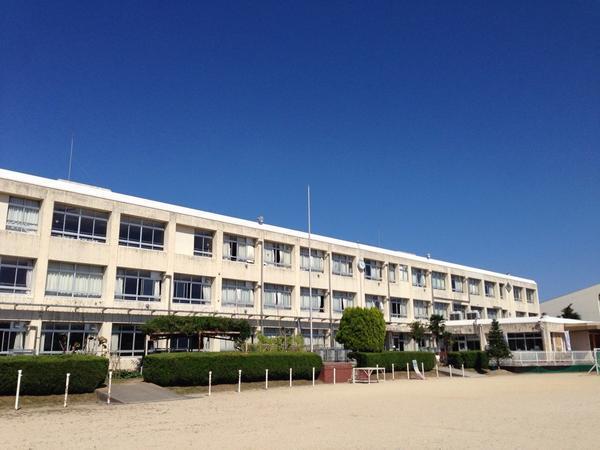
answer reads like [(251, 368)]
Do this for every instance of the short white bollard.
[(19, 374), (393, 371), (423, 369), (290, 377), (450, 371), (463, 370), (66, 390), (313, 376), (377, 370), (407, 371), (109, 386), (437, 372), (334, 375), (239, 381), (266, 379), (209, 382)]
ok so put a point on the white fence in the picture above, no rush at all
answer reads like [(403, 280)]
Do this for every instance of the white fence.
[(549, 358)]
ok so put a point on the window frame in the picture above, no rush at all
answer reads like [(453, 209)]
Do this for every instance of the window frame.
[(278, 250), (342, 300), (80, 214), (438, 282), (190, 281), (23, 204), (140, 276), (419, 277), (340, 261), (238, 242), (204, 236), (18, 265), (398, 304), (239, 286), (79, 272), (304, 257), (155, 227)]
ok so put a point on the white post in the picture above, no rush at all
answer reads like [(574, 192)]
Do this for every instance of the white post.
[(450, 371), (334, 375), (313, 376), (290, 377), (407, 371), (437, 373), (463, 370), (423, 369), (377, 370), (266, 378), (209, 382), (109, 386), (66, 390), (392, 371), (239, 381), (19, 374), (353, 375)]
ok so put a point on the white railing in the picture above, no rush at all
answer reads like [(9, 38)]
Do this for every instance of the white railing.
[(549, 358)]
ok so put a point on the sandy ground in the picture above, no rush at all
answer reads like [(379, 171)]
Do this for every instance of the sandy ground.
[(517, 411)]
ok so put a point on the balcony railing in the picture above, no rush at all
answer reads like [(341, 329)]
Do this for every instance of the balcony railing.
[(549, 358)]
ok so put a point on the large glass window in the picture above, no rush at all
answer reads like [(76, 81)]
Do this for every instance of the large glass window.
[(238, 248), (141, 233), (342, 300), (67, 337), (530, 295), (74, 280), (277, 254), (518, 293), (421, 309), (418, 277), (15, 275), (278, 296), (127, 340), (238, 292), (23, 215), (474, 286), (203, 243), (458, 283), (79, 223), (403, 272), (438, 281), (318, 299), (12, 337), (318, 259), (398, 308), (525, 341), (441, 309), (141, 285), (342, 265), (373, 269), (490, 289), (191, 289), (374, 301)]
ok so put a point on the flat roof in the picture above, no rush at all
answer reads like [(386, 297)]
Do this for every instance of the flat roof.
[(107, 194)]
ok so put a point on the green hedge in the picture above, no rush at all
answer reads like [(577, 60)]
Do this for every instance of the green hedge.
[(191, 369), (399, 359), (472, 359), (45, 375)]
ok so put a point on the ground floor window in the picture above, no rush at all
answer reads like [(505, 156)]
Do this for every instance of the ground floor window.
[(127, 340), (12, 337), (397, 342), (184, 343), (319, 337), (466, 342), (525, 341), (67, 337)]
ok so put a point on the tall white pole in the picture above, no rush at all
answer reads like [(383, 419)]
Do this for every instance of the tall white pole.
[(310, 315), (66, 390), (19, 374), (71, 157)]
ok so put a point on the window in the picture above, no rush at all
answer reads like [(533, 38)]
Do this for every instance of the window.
[(458, 283), (238, 248), (23, 215), (421, 309), (501, 290), (74, 280), (438, 281), (319, 337), (141, 285), (342, 265), (79, 223), (518, 294), (459, 307), (66, 337), (203, 243), (374, 301), (398, 308), (392, 273), (12, 337), (278, 296), (474, 286), (15, 275), (441, 309), (318, 299), (530, 295), (525, 341), (490, 289), (318, 260), (342, 300), (403, 272), (418, 277), (237, 292), (521, 314), (277, 254), (127, 340), (191, 289), (492, 313), (373, 269), (141, 233)]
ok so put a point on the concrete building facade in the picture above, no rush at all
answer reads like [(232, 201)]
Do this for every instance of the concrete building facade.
[(82, 265), (586, 302)]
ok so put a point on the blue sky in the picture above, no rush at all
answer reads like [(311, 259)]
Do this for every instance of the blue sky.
[(467, 130)]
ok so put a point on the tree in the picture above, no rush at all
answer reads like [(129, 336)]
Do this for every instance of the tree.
[(569, 313), (497, 346), (362, 330), (417, 332), (437, 327)]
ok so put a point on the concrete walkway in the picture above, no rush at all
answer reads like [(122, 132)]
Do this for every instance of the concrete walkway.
[(136, 391)]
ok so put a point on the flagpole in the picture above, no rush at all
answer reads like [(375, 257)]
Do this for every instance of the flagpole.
[(310, 299)]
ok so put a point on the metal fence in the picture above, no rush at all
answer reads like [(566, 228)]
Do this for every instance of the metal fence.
[(332, 354), (549, 358)]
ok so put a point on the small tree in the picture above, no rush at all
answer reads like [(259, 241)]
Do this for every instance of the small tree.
[(362, 330), (417, 332), (437, 327), (569, 313), (497, 346)]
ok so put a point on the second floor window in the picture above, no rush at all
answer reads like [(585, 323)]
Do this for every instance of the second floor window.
[(238, 292), (490, 289), (501, 290), (23, 214), (74, 280), (140, 285), (141, 233), (278, 296), (79, 223), (203, 243), (191, 289), (373, 269), (492, 313), (518, 294), (317, 260), (421, 309), (373, 301), (403, 272), (458, 283), (342, 300), (474, 287), (238, 248), (530, 295), (392, 273), (342, 265), (438, 281), (418, 277), (277, 254), (441, 309), (398, 308), (15, 275), (318, 299)]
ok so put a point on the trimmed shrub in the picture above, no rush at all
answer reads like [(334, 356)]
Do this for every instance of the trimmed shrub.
[(362, 330), (45, 375), (399, 359), (472, 359), (191, 369)]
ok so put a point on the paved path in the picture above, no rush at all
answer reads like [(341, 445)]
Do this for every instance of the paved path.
[(137, 392)]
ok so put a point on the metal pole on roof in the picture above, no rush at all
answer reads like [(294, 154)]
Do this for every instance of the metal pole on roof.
[(310, 299), (71, 156)]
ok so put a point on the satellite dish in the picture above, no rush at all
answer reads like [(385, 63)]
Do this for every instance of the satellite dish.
[(361, 265)]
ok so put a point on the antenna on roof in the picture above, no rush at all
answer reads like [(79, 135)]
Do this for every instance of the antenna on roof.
[(71, 156)]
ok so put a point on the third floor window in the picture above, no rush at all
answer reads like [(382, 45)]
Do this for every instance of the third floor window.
[(317, 261), (474, 287), (342, 265), (203, 243), (141, 233), (438, 280), (458, 283), (373, 269), (277, 254), (238, 248), (23, 214), (79, 223), (418, 277)]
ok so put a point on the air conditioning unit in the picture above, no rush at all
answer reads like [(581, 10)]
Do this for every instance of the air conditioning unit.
[(457, 315), (472, 315)]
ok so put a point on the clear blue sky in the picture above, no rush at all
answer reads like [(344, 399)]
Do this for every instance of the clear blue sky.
[(463, 129)]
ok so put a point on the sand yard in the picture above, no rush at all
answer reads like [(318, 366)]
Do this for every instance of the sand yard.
[(511, 411)]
